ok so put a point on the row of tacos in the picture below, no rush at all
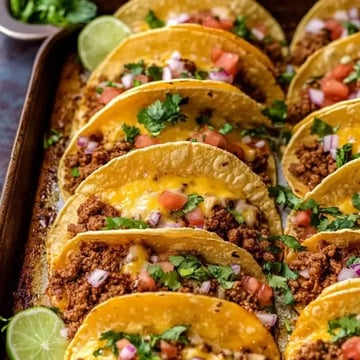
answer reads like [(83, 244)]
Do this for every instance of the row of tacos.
[(166, 182)]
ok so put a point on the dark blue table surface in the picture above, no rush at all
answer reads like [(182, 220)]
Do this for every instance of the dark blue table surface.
[(16, 61)]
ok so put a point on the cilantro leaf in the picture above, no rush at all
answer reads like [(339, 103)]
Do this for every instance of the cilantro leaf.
[(201, 75), (130, 132), (354, 75), (284, 196), (176, 260), (75, 172), (237, 215), (124, 223), (79, 11), (350, 27), (290, 241), (241, 29), (340, 222), (321, 128), (277, 112), (54, 137), (175, 333), (356, 200), (272, 267), (226, 128), (280, 283), (155, 72), (343, 155), (286, 77), (223, 275), (192, 203), (162, 113), (344, 327), (288, 273), (352, 260), (136, 68), (153, 21), (258, 132), (169, 279)]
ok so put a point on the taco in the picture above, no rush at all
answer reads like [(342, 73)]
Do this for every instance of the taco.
[(216, 114), (115, 263), (173, 53), (326, 21), (333, 205), (167, 325), (246, 19), (181, 184), (318, 142), (328, 77), (328, 328), (326, 259)]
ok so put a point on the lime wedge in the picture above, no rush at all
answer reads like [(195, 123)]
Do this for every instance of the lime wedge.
[(98, 38), (35, 334)]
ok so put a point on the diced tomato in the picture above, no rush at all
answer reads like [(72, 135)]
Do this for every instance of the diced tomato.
[(120, 344), (229, 62), (328, 102), (168, 351), (143, 140), (335, 28), (166, 266), (351, 348), (341, 71), (211, 22), (145, 281), (214, 138), (226, 24), (143, 78), (251, 284), (195, 217), (334, 89), (108, 94), (302, 218), (172, 200), (265, 295), (216, 53), (237, 150)]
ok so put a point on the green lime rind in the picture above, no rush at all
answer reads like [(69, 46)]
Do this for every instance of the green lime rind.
[(35, 334), (98, 38)]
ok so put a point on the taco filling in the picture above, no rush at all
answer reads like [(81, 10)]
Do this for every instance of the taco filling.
[(231, 218), (99, 271), (221, 18), (155, 126), (339, 84), (320, 32), (318, 270), (319, 158), (344, 343)]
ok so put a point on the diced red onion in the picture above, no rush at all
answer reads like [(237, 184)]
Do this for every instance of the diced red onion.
[(236, 268), (128, 352), (64, 333), (330, 142), (82, 141), (341, 15), (305, 273), (154, 218), (346, 274), (205, 287), (128, 80), (267, 319), (176, 65), (154, 259), (356, 268), (221, 75), (316, 96), (179, 19), (90, 147), (97, 277), (260, 144), (246, 139), (356, 22), (333, 153), (258, 34), (353, 13), (166, 73), (315, 26)]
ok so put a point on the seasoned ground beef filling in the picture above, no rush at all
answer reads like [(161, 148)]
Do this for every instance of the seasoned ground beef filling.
[(260, 167), (88, 163), (322, 267), (320, 350), (72, 283), (244, 84), (308, 45), (299, 110), (314, 164)]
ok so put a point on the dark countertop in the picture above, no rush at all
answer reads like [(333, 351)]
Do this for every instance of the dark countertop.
[(16, 60)]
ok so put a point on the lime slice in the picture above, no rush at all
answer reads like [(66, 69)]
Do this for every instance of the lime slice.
[(35, 334), (98, 38)]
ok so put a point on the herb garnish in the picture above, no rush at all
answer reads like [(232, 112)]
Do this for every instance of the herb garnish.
[(277, 112), (344, 327), (113, 223), (284, 196), (343, 155), (136, 68), (155, 72), (226, 128), (201, 75), (352, 260), (321, 128), (54, 137), (75, 172), (354, 75), (241, 29), (290, 241), (162, 113), (237, 215), (153, 21), (130, 132), (192, 203)]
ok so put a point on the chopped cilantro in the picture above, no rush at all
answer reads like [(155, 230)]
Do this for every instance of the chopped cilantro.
[(155, 72), (321, 128), (343, 155), (352, 260), (350, 27), (75, 172), (162, 113), (340, 222), (280, 283), (99, 90), (288, 326), (284, 196), (130, 132), (272, 267), (288, 273), (136, 68), (277, 112), (201, 75), (356, 200), (286, 77), (354, 75), (258, 132), (241, 29), (192, 203), (344, 327), (237, 215), (124, 223), (169, 279), (226, 128), (54, 137), (137, 82), (223, 275), (290, 241), (153, 21)]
